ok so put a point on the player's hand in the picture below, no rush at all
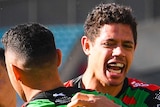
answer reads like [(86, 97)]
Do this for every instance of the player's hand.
[(89, 100)]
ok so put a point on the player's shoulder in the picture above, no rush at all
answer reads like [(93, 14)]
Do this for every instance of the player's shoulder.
[(135, 83)]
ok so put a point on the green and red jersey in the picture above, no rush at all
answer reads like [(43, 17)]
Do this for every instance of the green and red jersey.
[(134, 93), (61, 96)]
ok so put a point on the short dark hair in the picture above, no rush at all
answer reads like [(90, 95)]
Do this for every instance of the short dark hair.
[(107, 14), (31, 42)]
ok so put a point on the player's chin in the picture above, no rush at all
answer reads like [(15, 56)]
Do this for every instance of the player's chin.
[(116, 81)]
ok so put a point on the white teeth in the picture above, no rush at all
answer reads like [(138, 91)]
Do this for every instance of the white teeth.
[(115, 71), (117, 64)]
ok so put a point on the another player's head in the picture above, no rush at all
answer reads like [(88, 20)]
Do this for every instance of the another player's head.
[(109, 41), (31, 57), (108, 14)]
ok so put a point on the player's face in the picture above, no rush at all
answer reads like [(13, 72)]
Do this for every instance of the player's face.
[(111, 55)]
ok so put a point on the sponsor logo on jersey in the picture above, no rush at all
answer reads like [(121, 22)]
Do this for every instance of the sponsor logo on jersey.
[(158, 105), (59, 94), (139, 84), (61, 98), (157, 96)]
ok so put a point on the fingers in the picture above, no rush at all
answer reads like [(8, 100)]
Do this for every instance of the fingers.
[(82, 96), (81, 100), (89, 100), (80, 103)]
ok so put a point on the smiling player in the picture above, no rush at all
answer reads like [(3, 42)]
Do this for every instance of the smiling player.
[(109, 41)]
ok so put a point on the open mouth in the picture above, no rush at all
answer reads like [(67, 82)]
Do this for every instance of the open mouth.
[(115, 67)]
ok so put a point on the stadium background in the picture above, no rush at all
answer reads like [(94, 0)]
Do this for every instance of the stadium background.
[(65, 19)]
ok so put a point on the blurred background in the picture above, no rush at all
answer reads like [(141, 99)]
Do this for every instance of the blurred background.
[(65, 19)]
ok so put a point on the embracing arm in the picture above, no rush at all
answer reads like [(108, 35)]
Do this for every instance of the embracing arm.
[(90, 100)]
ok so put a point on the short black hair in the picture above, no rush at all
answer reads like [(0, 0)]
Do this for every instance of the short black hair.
[(31, 42), (108, 14)]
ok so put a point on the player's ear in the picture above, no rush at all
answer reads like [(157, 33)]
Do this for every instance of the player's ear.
[(85, 44), (16, 71), (59, 55)]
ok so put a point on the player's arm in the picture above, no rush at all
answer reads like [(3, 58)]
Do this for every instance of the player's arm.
[(90, 100)]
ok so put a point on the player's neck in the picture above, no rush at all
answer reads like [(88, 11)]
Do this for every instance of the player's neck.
[(91, 82), (42, 86)]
